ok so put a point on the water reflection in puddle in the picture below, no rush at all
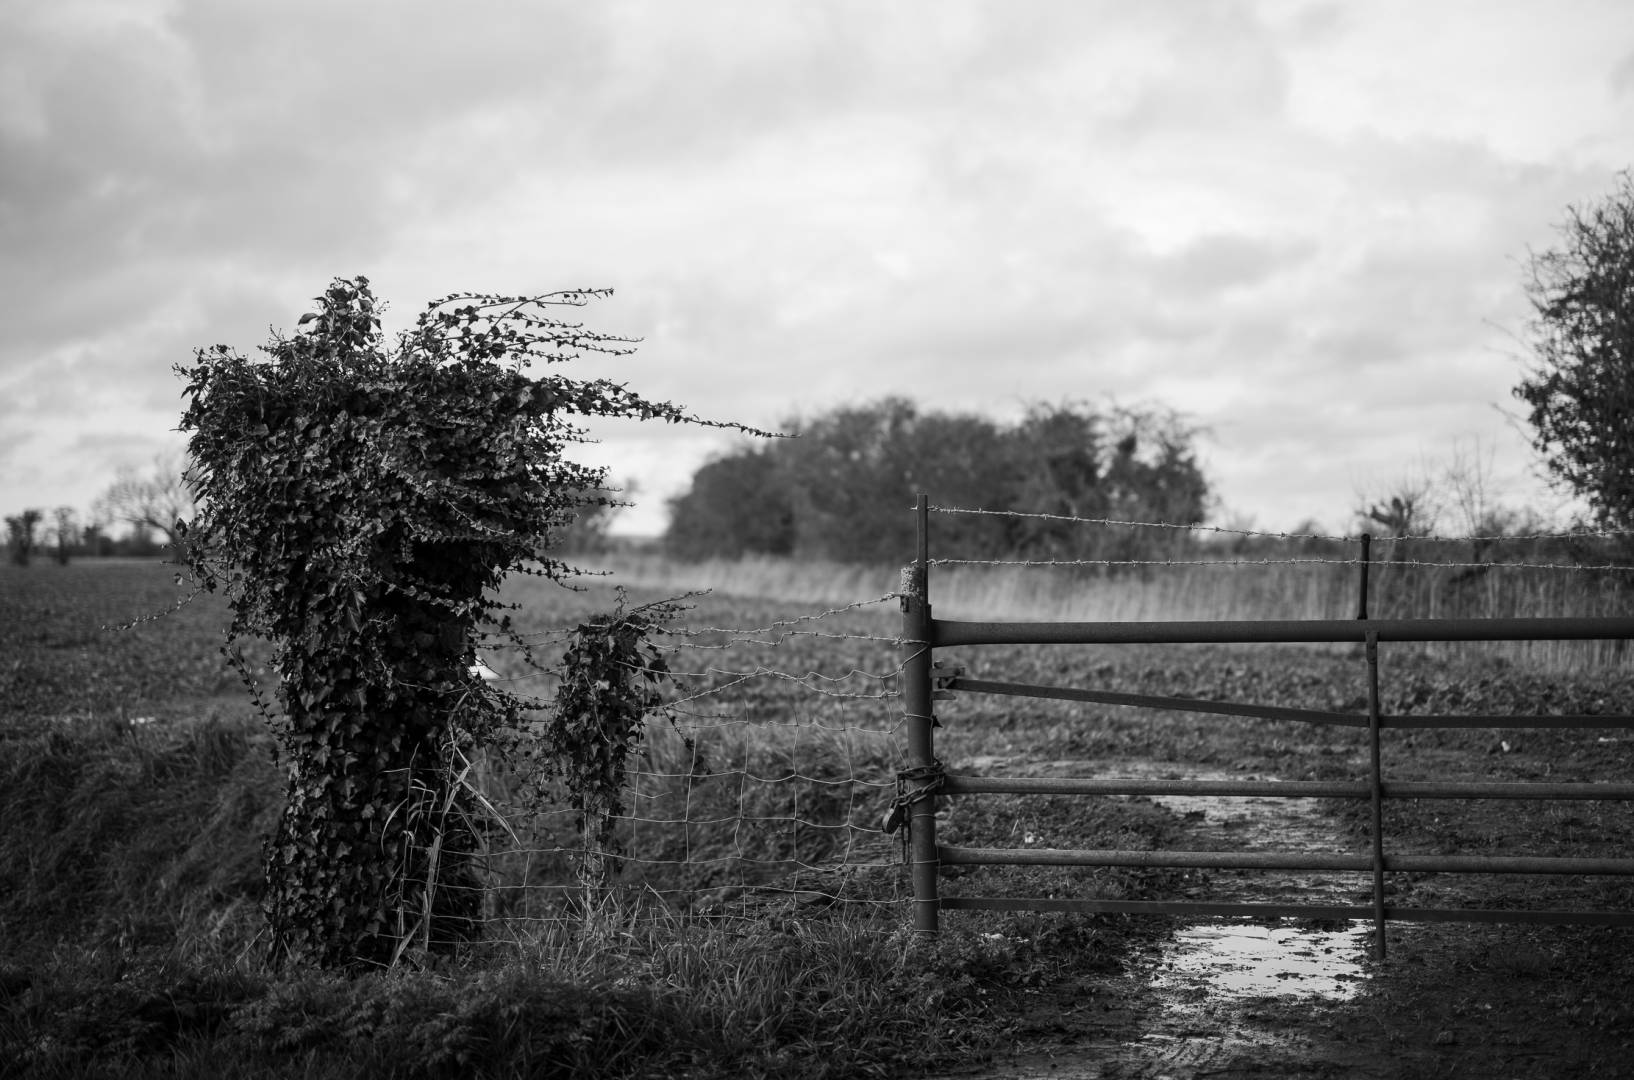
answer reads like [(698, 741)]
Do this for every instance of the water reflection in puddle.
[(1235, 961)]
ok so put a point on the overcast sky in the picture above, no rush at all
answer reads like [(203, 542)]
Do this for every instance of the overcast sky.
[(1303, 225)]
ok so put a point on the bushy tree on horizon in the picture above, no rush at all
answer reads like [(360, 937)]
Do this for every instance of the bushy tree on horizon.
[(737, 505), (843, 488), (20, 535), (1580, 389)]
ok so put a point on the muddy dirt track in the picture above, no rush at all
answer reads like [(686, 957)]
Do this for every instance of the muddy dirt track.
[(1235, 998)]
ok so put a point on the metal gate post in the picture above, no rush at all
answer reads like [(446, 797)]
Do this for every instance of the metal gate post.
[(923, 772), (1375, 765)]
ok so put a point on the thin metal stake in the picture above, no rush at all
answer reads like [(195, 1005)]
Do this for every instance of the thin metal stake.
[(1367, 550), (1378, 793)]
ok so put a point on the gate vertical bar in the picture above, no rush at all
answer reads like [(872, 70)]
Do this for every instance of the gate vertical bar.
[(917, 706), (1377, 793), (1375, 768)]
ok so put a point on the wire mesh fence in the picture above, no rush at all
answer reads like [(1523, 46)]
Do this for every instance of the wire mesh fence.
[(767, 788)]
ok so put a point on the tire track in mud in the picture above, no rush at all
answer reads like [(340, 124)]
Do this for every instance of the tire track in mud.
[(1223, 998)]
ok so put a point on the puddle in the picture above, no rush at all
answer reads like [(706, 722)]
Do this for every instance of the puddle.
[(1212, 978), (1231, 959), (1235, 961)]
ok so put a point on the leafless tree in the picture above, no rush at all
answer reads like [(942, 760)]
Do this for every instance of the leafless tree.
[(1409, 509), (152, 500)]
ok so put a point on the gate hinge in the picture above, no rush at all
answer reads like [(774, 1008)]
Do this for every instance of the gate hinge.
[(942, 678)]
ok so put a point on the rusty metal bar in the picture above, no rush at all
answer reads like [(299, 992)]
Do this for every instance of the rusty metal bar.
[(917, 706), (1576, 720), (1507, 864), (1152, 907), (1292, 911), (1147, 701), (1287, 789), (1030, 785), (1217, 860), (947, 633), (1278, 712), (1436, 789), (1284, 860)]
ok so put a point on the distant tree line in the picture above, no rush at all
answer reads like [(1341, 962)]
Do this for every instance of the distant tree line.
[(148, 504), (59, 535), (843, 487)]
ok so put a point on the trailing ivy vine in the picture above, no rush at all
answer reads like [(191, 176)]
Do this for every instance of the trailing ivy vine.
[(360, 504), (613, 677)]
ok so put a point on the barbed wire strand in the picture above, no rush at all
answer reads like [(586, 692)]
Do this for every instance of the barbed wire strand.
[(1376, 563), (1432, 538), (739, 635)]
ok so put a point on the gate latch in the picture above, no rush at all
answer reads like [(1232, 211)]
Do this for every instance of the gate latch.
[(942, 678)]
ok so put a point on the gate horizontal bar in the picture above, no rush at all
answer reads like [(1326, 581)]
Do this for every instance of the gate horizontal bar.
[(1147, 701), (1291, 911), (1281, 860), (1045, 785), (1153, 907), (945, 633), (1433, 789), (1225, 860), (953, 784), (1573, 720), (1276, 712)]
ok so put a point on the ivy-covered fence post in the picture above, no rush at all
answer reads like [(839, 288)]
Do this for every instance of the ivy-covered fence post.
[(612, 679), (360, 505)]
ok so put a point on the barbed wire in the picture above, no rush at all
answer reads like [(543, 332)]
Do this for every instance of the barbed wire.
[(718, 720), (700, 631), (747, 676), (1576, 534), (739, 635), (714, 672), (1577, 567), (775, 642), (1077, 519), (735, 858)]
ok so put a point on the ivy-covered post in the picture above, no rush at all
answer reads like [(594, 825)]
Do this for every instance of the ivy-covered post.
[(612, 678), (360, 505)]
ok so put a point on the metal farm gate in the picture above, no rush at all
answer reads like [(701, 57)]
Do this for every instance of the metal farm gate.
[(925, 680)]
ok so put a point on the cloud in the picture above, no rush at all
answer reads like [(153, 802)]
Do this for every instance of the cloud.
[(1622, 76), (1311, 214)]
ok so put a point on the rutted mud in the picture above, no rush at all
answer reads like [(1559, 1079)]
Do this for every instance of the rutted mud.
[(1221, 991)]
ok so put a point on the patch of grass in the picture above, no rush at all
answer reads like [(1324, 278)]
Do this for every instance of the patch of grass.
[(133, 838), (65, 657), (832, 996)]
